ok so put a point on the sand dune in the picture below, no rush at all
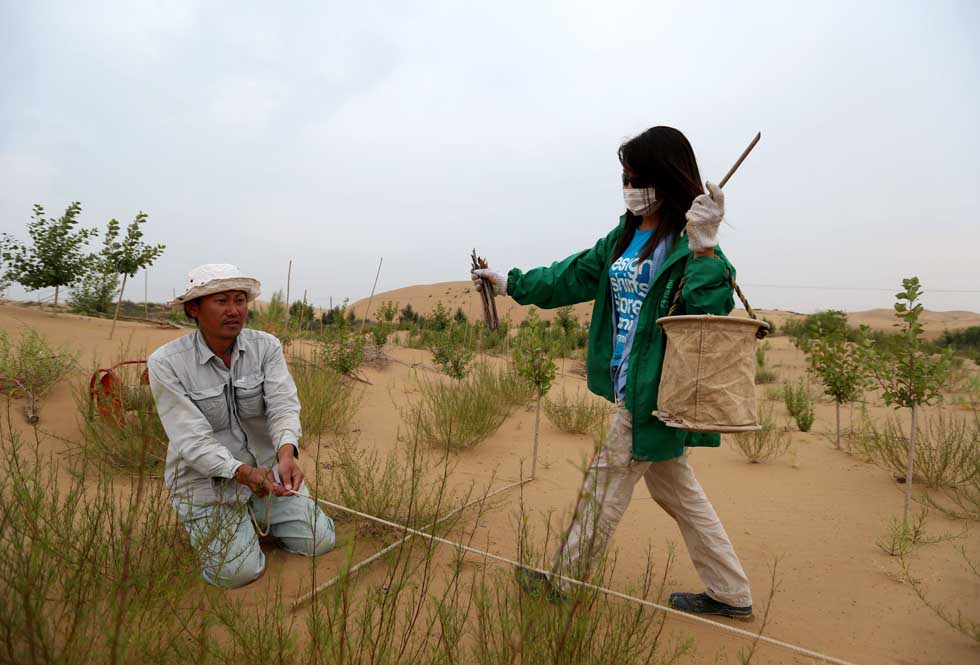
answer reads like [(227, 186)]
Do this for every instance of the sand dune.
[(424, 297)]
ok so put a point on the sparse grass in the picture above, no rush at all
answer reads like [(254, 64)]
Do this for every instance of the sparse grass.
[(406, 486), (506, 385), (799, 403), (458, 414), (31, 367), (959, 621), (763, 374), (328, 400), (272, 318), (129, 438), (763, 445), (774, 393), (947, 448), (580, 414)]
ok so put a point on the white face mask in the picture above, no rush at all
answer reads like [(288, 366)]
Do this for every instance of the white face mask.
[(641, 201)]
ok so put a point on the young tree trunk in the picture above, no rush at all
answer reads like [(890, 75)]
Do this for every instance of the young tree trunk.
[(118, 304), (56, 297), (537, 428), (910, 466), (837, 410)]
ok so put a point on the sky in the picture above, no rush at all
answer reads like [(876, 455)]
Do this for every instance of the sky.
[(333, 134)]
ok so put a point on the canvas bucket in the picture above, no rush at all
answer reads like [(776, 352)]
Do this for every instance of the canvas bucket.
[(708, 379)]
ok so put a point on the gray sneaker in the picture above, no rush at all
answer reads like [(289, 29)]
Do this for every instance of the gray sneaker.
[(702, 603)]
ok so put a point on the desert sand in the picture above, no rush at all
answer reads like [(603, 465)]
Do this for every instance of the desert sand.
[(817, 510)]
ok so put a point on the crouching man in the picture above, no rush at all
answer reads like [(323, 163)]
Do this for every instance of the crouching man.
[(231, 414)]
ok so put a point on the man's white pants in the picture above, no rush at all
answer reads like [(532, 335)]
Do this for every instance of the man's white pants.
[(606, 493)]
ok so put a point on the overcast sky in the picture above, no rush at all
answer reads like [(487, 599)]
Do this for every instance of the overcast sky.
[(336, 133)]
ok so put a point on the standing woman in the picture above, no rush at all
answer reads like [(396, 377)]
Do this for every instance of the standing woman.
[(668, 237)]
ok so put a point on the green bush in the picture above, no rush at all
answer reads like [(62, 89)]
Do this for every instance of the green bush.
[(581, 414), (342, 350), (451, 353), (31, 368), (947, 448), (458, 414), (799, 404), (763, 375), (94, 293), (762, 445), (328, 399), (128, 437)]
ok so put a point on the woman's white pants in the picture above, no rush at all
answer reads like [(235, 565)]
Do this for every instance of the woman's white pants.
[(606, 493)]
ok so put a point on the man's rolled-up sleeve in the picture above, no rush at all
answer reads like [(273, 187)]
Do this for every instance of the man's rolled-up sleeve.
[(281, 400), (188, 431)]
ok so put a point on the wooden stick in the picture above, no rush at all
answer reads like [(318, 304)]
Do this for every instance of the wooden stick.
[(745, 153), (368, 312), (289, 281)]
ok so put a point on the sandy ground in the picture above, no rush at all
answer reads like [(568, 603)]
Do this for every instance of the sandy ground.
[(818, 511)]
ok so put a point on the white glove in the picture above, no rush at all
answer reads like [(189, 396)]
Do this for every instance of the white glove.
[(498, 280), (704, 218)]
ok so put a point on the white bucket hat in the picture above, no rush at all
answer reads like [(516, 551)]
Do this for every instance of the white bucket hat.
[(215, 278)]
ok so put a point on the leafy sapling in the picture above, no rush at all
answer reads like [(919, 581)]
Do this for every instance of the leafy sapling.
[(907, 373), (127, 254), (55, 256), (842, 368), (533, 356)]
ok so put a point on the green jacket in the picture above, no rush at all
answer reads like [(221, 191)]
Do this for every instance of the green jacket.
[(584, 276)]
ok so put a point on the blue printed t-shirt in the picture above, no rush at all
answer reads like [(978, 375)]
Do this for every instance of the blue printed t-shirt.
[(630, 280)]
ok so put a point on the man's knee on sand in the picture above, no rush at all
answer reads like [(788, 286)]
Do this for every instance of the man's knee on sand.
[(247, 565), (313, 539), (236, 570)]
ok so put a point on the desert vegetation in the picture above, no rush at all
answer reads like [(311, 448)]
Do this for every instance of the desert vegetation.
[(30, 367), (577, 414), (765, 444)]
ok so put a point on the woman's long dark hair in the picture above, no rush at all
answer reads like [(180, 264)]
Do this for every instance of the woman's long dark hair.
[(661, 157)]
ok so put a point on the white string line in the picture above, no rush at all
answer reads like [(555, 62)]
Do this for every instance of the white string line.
[(302, 600), (610, 592)]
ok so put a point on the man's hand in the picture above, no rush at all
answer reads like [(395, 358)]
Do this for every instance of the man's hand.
[(260, 480), (290, 474)]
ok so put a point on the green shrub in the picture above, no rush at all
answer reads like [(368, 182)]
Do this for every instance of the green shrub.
[(328, 400), (763, 375), (128, 438), (763, 445), (342, 350), (452, 354), (30, 368), (272, 318), (403, 486), (580, 414), (456, 415), (799, 404), (94, 293), (947, 448), (506, 385)]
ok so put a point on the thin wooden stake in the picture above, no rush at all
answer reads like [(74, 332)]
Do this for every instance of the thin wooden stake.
[(289, 281), (745, 153), (368, 312)]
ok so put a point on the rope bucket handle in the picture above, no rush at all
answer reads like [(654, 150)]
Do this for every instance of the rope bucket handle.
[(763, 331)]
